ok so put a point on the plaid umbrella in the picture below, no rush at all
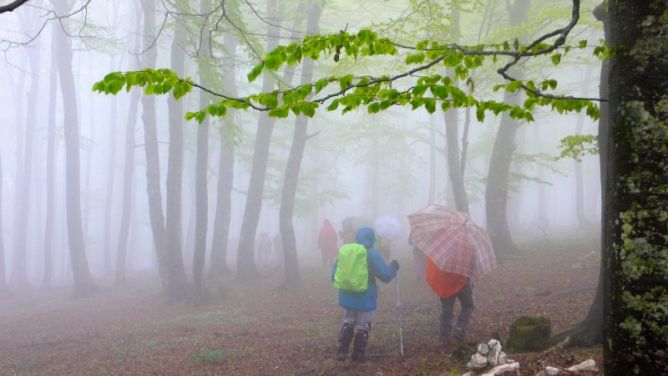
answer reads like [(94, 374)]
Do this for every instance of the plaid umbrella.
[(452, 241)]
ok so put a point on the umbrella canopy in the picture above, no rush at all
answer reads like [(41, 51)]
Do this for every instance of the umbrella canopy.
[(388, 227), (452, 241)]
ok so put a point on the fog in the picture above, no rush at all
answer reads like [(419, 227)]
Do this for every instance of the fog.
[(391, 163)]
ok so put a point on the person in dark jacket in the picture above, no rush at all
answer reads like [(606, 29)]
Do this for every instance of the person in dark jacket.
[(360, 306)]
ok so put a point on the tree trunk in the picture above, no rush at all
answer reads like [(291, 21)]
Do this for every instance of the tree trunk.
[(83, 282), (111, 174), (221, 225), (246, 255), (154, 192), (293, 166), (636, 191), (19, 276), (579, 176), (431, 193), (455, 169), (50, 170), (3, 279), (128, 178), (177, 285), (201, 173), (496, 194)]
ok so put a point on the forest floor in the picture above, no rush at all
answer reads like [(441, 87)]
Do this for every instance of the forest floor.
[(259, 328)]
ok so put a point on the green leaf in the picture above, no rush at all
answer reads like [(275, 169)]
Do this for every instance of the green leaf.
[(556, 59), (279, 112), (480, 113), (255, 72), (582, 43)]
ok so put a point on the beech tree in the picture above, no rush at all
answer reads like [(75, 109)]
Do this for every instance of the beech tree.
[(636, 171)]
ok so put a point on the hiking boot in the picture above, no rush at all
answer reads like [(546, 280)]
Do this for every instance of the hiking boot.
[(459, 333), (361, 339), (343, 341)]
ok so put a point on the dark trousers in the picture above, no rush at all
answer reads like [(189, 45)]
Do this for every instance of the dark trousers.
[(465, 297)]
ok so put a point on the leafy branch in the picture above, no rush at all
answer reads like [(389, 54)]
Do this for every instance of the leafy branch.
[(377, 93)]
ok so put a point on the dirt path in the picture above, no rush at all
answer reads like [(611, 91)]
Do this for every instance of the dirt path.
[(259, 329)]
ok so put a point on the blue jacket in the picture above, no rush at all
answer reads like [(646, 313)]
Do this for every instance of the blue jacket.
[(366, 301)]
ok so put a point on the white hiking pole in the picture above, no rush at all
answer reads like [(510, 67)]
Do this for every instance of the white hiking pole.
[(401, 334)]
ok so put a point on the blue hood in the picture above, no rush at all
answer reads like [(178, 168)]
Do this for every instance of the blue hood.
[(366, 237)]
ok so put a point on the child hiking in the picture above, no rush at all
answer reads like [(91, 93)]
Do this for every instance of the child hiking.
[(354, 274)]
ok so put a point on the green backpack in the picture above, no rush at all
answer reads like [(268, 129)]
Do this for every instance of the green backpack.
[(352, 273)]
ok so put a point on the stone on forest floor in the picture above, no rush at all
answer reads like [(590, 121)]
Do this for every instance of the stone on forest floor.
[(477, 362), (529, 334), (588, 365)]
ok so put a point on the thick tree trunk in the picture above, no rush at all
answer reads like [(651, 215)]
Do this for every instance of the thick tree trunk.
[(636, 191), (246, 255), (50, 170), (154, 192), (221, 225), (177, 285), (19, 276), (496, 194), (293, 166), (83, 282), (111, 175)]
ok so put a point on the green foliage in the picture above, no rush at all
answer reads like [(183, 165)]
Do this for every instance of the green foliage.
[(578, 146), (429, 90)]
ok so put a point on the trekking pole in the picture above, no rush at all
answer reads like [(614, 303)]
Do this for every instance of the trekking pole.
[(401, 334)]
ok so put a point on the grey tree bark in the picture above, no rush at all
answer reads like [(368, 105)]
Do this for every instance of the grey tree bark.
[(83, 282), (153, 185), (19, 276), (221, 225), (177, 285), (201, 172), (455, 160), (496, 194), (3, 278), (246, 255), (128, 178), (50, 169), (293, 166)]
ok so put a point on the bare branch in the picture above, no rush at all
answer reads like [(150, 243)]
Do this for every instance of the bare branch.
[(12, 6)]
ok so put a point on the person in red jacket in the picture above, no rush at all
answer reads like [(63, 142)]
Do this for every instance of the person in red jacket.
[(328, 243), (450, 287)]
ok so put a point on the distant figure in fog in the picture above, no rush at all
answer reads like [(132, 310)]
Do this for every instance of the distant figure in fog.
[(328, 243), (263, 249), (278, 249)]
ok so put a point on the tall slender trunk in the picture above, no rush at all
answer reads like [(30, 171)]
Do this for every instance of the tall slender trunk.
[(177, 286), (83, 282), (111, 175), (246, 255), (128, 178), (19, 276), (293, 166), (201, 172), (455, 169), (153, 186), (50, 169), (579, 176), (496, 194), (221, 225), (3, 278), (431, 193)]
